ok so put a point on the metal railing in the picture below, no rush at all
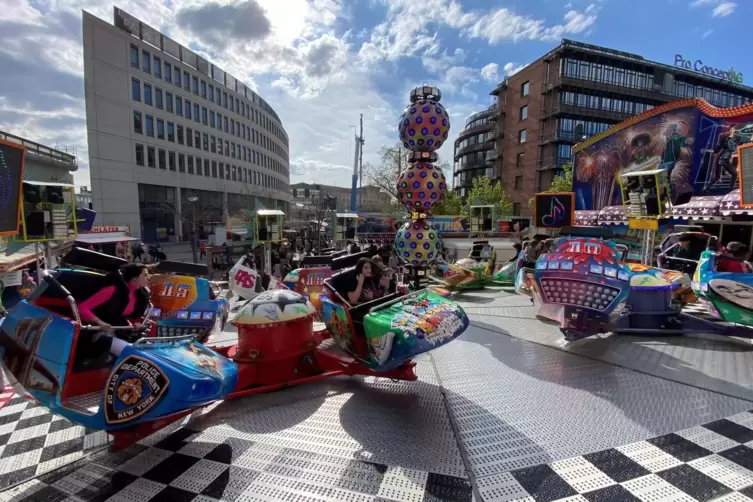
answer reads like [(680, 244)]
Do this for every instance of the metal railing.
[(32, 147)]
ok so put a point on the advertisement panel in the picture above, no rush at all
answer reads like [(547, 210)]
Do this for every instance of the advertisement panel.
[(695, 141), (12, 158)]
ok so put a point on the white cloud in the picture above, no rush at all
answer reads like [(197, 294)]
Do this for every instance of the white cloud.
[(724, 9), (721, 8), (490, 72), (512, 68), (707, 33)]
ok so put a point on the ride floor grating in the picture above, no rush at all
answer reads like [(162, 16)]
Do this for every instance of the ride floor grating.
[(514, 419)]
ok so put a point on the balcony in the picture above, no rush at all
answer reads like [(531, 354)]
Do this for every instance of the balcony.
[(582, 83), (583, 111), (470, 149), (552, 164), (493, 135), (561, 137), (492, 155)]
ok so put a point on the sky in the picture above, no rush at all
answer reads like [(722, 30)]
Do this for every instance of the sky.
[(322, 63)]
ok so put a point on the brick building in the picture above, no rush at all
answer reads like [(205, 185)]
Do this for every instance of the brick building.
[(576, 91)]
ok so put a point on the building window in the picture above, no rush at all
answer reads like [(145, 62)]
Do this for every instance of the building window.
[(205, 137), (211, 119), (139, 155), (524, 112), (150, 156), (137, 127), (520, 159), (180, 134), (162, 162), (206, 168), (224, 99), (181, 163), (204, 115), (226, 123), (222, 171), (211, 93), (190, 164), (179, 105), (136, 89), (522, 136), (171, 132), (146, 61), (160, 129), (168, 72), (214, 169), (149, 126), (189, 136), (169, 102), (188, 110), (218, 96), (197, 139), (525, 89), (176, 76), (186, 81), (171, 160), (516, 208), (147, 94), (195, 82), (134, 56), (518, 182), (157, 67), (213, 143), (203, 89), (158, 98), (196, 112)]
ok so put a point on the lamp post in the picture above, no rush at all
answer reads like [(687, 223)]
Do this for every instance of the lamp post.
[(193, 199)]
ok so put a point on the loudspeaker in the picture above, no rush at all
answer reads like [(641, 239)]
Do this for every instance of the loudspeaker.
[(35, 226), (87, 215)]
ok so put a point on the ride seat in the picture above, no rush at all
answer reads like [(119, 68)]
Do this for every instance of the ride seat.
[(80, 283)]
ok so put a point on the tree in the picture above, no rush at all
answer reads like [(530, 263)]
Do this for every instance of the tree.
[(392, 160), (560, 183), (486, 192), (451, 205)]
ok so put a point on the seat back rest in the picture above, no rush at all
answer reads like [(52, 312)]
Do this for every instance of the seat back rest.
[(341, 281), (358, 312), (86, 258), (316, 261), (182, 268), (346, 261)]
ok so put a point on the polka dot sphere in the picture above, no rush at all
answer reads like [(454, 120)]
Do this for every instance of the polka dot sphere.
[(421, 186), (424, 126), (417, 243)]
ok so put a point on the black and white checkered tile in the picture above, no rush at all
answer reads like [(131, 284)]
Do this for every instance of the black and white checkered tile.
[(709, 462), (34, 441), (190, 465)]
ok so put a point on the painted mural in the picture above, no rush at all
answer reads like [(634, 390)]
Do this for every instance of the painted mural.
[(695, 141)]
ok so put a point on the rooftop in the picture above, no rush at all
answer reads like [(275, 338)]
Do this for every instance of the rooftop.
[(65, 155)]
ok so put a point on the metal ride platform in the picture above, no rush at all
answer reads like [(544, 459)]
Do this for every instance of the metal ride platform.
[(503, 413)]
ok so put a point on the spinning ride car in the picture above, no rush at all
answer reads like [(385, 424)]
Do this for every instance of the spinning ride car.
[(386, 333), (727, 295), (153, 382), (472, 272), (585, 285)]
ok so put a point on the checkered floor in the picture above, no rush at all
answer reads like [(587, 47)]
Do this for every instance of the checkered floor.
[(709, 462), (34, 441), (206, 466)]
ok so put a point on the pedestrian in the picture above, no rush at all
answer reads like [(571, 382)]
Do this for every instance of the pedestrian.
[(203, 251)]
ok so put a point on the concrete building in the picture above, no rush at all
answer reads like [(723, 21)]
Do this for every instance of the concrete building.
[(84, 197), (370, 199), (168, 129), (475, 149), (579, 90), (43, 163)]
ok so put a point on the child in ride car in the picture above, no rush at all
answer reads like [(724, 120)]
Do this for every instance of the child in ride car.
[(736, 250)]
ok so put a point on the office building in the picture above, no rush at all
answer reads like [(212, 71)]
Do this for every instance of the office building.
[(84, 197), (171, 134), (578, 90), (475, 150), (44, 163)]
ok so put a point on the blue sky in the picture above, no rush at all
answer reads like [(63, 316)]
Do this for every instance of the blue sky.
[(320, 63)]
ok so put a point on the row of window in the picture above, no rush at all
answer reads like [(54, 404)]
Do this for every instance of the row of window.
[(169, 160), (603, 103), (606, 74), (165, 100), (577, 129), (471, 159), (166, 130), (466, 177), (183, 79), (471, 140), (714, 96)]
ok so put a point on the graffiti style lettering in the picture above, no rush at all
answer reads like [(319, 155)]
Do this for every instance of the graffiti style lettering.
[(171, 290), (245, 279)]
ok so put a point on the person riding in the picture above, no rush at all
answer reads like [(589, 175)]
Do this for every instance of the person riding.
[(124, 297), (366, 286), (739, 252), (518, 249)]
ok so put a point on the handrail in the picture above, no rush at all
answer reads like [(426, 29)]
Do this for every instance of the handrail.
[(162, 339), (39, 149)]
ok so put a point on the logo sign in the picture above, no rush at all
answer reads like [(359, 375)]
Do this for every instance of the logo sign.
[(106, 229), (732, 75), (134, 388), (172, 293), (554, 210), (243, 280)]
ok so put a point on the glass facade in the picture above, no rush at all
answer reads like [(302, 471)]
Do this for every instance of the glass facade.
[(714, 96), (576, 129), (607, 74), (157, 218), (603, 103)]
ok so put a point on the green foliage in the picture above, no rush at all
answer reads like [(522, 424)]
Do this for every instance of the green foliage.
[(485, 192), (560, 183), (450, 206)]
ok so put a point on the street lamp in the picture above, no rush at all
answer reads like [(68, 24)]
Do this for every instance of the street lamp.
[(193, 199)]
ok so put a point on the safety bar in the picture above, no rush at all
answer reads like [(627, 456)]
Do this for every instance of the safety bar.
[(162, 339), (50, 279), (337, 293), (664, 255)]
